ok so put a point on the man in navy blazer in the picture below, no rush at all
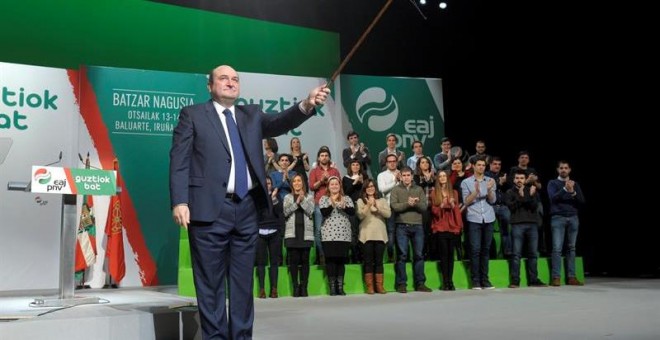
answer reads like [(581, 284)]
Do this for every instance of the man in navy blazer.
[(222, 225)]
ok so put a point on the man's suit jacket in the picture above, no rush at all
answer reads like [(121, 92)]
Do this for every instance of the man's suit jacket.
[(200, 158)]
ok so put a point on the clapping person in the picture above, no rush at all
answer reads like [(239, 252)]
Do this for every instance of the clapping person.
[(269, 242), (300, 159), (458, 173), (502, 212), (352, 184), (387, 180), (478, 193), (443, 159), (391, 149), (408, 201), (418, 153), (356, 151), (336, 233), (318, 183), (523, 201), (447, 223), (299, 233), (270, 154), (373, 212), (456, 176), (566, 198), (425, 178), (282, 177)]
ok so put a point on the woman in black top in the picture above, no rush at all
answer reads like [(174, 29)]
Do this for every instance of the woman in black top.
[(269, 243), (352, 184)]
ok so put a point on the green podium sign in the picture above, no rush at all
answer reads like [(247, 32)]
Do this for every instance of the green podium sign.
[(57, 180)]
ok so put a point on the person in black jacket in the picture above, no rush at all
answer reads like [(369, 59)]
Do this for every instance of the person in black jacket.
[(269, 243), (523, 201)]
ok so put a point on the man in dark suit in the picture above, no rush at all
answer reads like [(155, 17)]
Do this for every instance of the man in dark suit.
[(217, 185)]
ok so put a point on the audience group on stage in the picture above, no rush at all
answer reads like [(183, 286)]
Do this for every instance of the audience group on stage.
[(415, 209)]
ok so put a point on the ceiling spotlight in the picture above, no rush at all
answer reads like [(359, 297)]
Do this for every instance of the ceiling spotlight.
[(422, 2), (443, 5)]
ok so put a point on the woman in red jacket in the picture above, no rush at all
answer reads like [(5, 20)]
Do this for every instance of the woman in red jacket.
[(446, 226)]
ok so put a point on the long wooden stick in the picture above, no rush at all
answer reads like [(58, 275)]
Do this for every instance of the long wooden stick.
[(359, 42)]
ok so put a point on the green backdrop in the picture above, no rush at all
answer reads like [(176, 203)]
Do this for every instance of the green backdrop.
[(148, 35), (139, 34)]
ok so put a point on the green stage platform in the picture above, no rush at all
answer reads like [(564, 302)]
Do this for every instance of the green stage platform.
[(353, 283)]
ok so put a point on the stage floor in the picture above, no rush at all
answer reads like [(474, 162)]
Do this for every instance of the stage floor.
[(605, 308)]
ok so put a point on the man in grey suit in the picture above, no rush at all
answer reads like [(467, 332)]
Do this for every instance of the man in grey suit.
[(217, 184)]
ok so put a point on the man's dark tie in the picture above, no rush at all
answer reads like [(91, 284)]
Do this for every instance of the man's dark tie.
[(240, 166)]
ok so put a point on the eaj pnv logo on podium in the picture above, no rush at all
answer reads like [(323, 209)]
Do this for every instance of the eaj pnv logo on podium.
[(56, 180)]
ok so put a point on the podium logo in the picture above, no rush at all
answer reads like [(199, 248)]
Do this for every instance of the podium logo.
[(378, 109), (42, 176)]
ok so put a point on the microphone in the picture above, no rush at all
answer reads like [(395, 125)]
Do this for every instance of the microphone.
[(86, 162), (59, 159), (27, 186)]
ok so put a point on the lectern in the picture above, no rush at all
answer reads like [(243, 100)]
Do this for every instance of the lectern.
[(69, 183)]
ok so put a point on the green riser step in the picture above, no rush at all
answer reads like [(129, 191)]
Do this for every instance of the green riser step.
[(353, 283)]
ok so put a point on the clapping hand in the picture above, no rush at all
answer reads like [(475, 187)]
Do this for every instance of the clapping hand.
[(371, 201), (532, 178), (490, 185), (570, 186), (372, 204)]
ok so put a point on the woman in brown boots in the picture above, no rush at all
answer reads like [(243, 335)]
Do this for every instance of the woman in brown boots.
[(373, 211)]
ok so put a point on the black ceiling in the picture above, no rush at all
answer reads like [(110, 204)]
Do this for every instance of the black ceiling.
[(520, 74), (403, 41)]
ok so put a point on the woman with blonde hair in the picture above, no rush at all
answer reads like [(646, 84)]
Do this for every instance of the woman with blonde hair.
[(299, 233), (446, 225), (300, 161)]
